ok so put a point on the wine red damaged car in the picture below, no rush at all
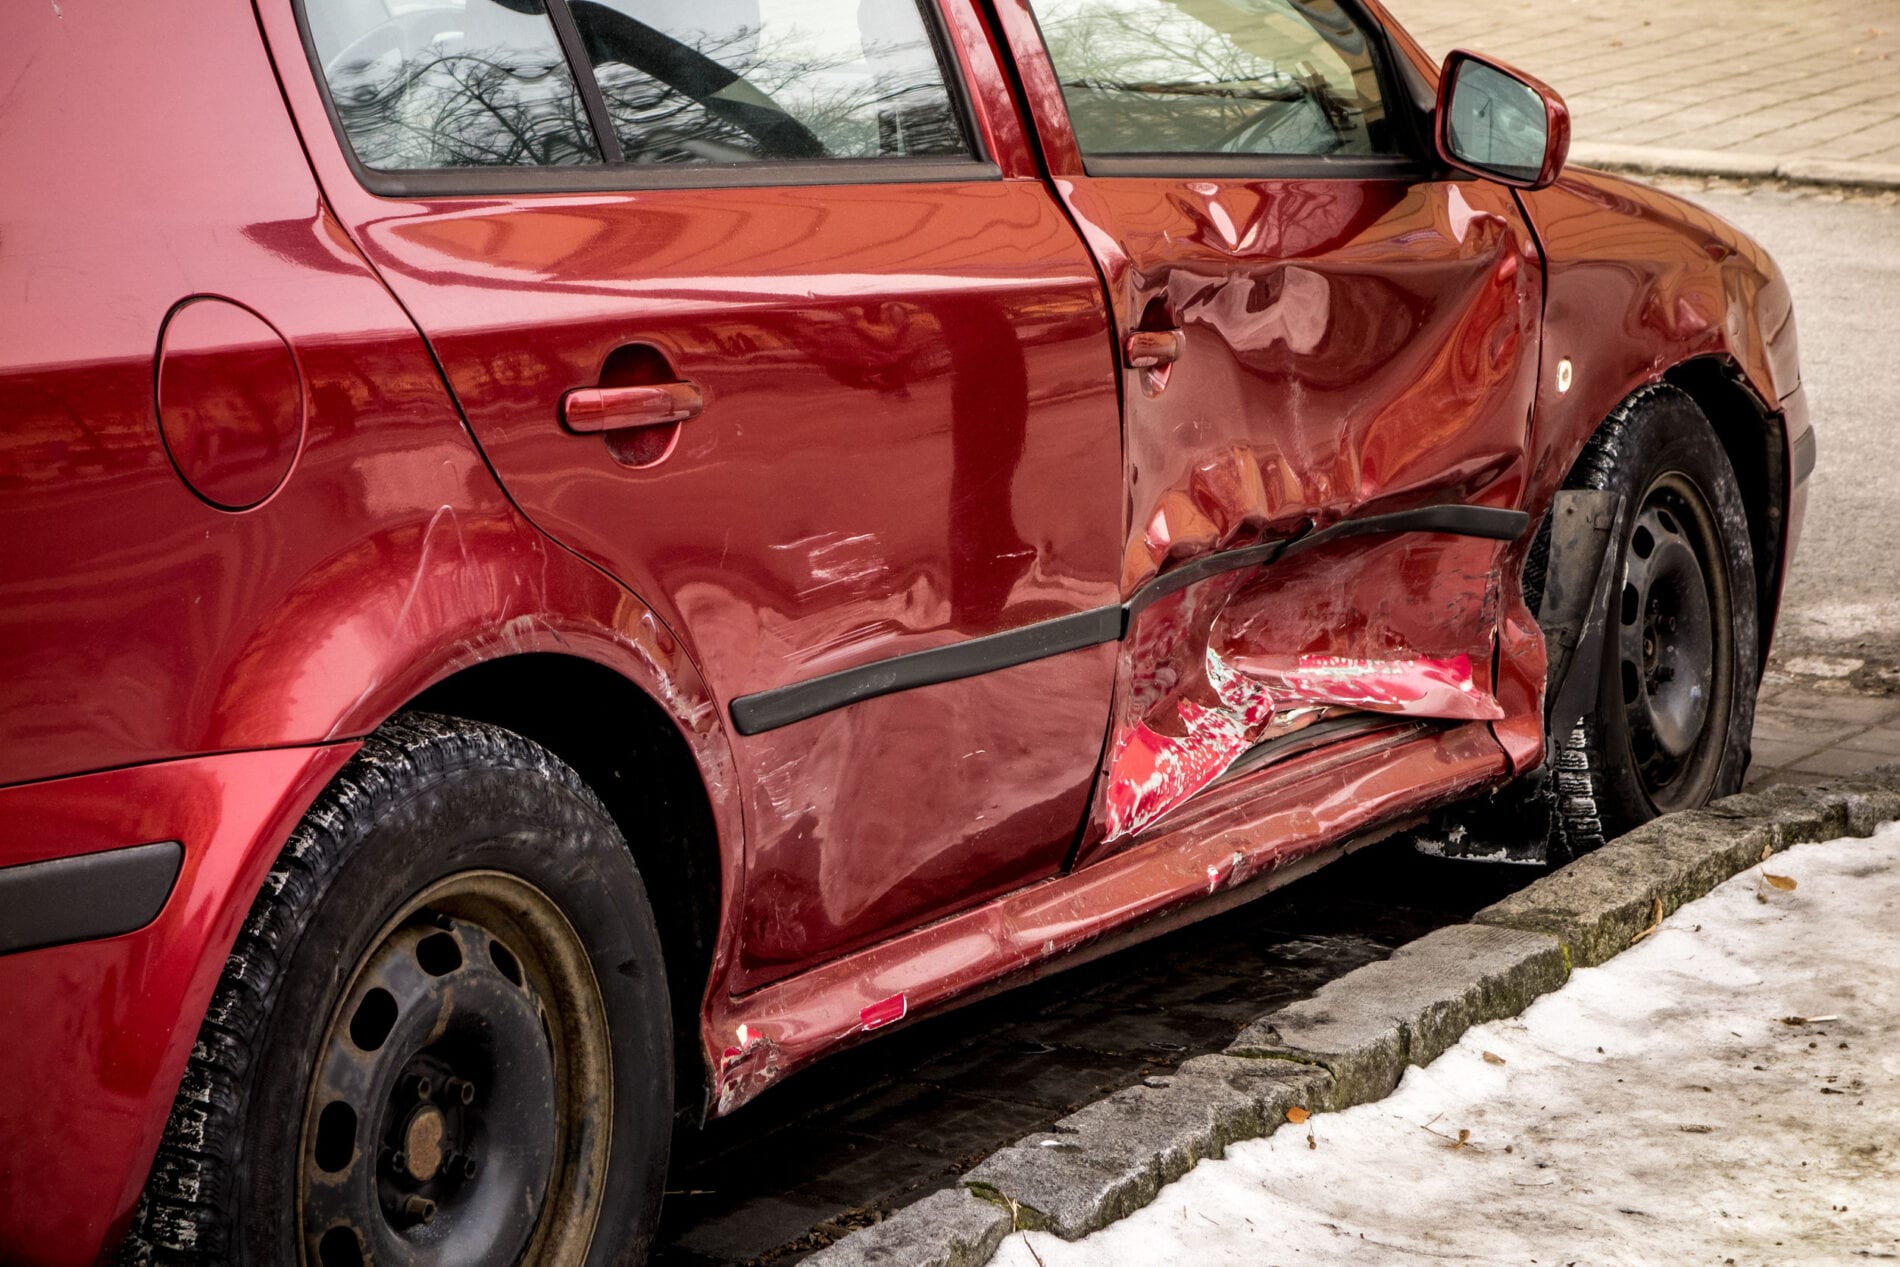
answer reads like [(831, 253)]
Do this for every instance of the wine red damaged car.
[(566, 558)]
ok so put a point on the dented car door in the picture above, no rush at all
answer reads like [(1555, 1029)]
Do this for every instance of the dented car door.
[(1330, 351)]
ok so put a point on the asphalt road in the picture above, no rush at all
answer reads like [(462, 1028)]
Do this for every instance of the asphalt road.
[(1841, 254)]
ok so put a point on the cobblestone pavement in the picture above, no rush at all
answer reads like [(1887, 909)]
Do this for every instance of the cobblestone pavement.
[(867, 1132), (1815, 80)]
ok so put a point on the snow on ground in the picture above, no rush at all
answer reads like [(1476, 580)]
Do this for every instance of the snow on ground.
[(1654, 1110)]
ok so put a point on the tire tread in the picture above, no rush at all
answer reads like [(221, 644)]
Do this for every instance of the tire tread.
[(182, 1216)]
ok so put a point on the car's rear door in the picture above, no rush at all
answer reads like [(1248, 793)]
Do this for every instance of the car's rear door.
[(1326, 340), (764, 310)]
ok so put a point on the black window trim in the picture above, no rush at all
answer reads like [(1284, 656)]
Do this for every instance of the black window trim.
[(1399, 167), (1413, 163), (615, 175)]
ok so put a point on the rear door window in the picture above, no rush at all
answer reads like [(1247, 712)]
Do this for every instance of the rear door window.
[(1265, 77), (689, 81), (438, 84), (450, 83)]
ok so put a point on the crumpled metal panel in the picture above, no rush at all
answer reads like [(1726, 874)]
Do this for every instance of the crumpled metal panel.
[(1402, 627), (1151, 770), (1247, 846), (1421, 686)]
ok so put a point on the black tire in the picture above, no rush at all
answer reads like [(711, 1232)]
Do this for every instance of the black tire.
[(1683, 608), (439, 842)]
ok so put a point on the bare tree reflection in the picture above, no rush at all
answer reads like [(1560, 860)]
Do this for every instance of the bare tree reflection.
[(750, 95), (714, 99), (488, 109)]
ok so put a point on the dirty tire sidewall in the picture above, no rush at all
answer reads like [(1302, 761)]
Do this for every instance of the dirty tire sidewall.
[(426, 798), (1661, 432)]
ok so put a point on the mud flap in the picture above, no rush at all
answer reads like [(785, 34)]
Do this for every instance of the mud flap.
[(1585, 525), (1516, 824)]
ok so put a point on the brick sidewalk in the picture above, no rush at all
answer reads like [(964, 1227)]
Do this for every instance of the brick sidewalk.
[(1808, 729), (1816, 80)]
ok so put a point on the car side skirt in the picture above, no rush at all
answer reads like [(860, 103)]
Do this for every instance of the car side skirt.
[(1256, 833)]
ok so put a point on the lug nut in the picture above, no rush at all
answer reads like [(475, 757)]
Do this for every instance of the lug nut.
[(397, 1161), (460, 1089), (423, 1088), (419, 1208)]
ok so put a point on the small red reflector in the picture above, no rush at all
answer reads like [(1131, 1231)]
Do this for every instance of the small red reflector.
[(884, 1012)]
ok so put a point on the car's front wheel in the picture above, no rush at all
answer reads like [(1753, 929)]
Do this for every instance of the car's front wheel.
[(1675, 707), (442, 1037)]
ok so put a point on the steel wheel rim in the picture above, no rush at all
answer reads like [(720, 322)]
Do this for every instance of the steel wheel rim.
[(470, 1058), (1673, 644)]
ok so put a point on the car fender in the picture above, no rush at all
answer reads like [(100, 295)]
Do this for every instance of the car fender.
[(1640, 284)]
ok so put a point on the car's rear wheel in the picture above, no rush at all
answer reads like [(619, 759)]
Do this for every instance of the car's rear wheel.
[(1675, 706), (442, 1037)]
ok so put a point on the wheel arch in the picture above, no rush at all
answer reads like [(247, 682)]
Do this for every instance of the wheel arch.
[(629, 748), (1755, 439)]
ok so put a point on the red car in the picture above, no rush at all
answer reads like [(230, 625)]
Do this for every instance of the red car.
[(567, 558)]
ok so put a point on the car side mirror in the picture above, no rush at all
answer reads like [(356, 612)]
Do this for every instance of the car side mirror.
[(1496, 122)]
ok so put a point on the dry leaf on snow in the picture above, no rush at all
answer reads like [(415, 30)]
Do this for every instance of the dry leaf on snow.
[(1783, 882), (1492, 1058), (1655, 923), (1296, 1115)]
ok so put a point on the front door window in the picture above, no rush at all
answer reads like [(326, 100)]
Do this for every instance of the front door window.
[(1271, 77)]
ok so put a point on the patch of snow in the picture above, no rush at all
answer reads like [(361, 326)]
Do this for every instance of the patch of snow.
[(1823, 666), (1658, 1109)]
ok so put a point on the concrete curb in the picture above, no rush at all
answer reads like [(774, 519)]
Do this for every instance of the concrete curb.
[(1353, 1040), (1366, 1027), (1656, 161)]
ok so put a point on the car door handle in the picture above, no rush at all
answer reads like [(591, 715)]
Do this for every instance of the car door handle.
[(1151, 349), (586, 410)]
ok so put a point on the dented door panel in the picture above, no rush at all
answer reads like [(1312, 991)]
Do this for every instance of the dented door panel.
[(1408, 637), (1349, 346), (908, 440), (1401, 627), (1352, 349)]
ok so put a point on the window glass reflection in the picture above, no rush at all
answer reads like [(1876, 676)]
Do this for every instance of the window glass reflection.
[(450, 83), (689, 81), (1289, 77)]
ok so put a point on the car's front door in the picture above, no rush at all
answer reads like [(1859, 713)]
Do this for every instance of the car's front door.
[(747, 305), (1328, 342)]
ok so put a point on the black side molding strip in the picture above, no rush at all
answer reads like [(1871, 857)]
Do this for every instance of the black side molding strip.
[(782, 705), (84, 897), (1455, 521), (1194, 571)]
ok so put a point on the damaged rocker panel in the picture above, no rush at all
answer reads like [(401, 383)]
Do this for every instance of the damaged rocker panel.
[(784, 705)]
